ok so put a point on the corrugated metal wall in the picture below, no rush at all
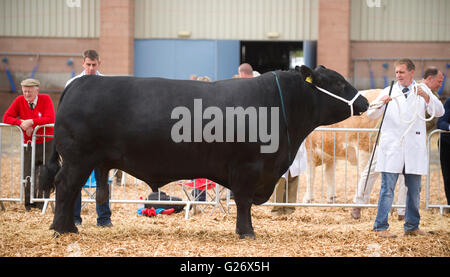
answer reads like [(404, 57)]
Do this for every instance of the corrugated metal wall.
[(393, 20), (227, 19), (400, 20), (50, 18)]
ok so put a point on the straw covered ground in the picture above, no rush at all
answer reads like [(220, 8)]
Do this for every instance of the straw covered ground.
[(309, 231)]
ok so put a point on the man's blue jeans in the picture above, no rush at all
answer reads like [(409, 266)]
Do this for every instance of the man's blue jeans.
[(103, 212), (386, 197)]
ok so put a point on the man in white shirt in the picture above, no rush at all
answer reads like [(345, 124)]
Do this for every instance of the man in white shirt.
[(91, 63), (433, 79), (290, 181), (402, 147), (245, 70)]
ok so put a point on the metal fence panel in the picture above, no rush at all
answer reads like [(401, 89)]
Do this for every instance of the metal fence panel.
[(11, 163), (130, 190), (347, 175), (435, 196)]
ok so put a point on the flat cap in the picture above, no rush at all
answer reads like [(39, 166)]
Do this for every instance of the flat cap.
[(30, 83)]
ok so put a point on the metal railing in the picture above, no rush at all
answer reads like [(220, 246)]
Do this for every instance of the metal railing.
[(121, 194), (126, 194), (439, 196), (9, 147)]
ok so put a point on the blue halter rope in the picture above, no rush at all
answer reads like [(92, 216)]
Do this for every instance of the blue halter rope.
[(284, 116)]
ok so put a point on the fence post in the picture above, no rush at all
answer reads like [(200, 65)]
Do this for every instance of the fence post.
[(33, 161)]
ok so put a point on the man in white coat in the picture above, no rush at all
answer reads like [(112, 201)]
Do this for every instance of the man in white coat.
[(291, 181), (402, 147)]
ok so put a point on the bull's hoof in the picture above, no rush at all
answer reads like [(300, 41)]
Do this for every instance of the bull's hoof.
[(60, 231), (332, 200), (245, 236)]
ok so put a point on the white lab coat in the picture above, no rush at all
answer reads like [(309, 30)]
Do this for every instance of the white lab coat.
[(411, 153), (300, 163)]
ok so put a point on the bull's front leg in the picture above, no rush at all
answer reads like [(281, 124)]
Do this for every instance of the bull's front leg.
[(242, 180), (244, 226)]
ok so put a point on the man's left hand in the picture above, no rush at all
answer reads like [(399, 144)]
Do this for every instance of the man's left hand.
[(423, 94)]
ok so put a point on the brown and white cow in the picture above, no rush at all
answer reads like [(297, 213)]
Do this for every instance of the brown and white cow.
[(352, 146)]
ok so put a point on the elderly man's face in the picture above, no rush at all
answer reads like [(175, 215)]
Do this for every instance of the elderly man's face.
[(30, 93), (435, 82)]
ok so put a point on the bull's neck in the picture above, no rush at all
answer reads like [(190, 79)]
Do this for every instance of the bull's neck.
[(312, 109), (302, 112), (322, 112)]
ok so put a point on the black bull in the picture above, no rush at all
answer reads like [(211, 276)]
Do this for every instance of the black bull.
[(131, 124)]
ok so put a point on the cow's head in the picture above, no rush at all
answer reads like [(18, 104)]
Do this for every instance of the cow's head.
[(329, 81)]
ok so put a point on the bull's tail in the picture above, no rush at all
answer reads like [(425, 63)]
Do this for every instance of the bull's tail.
[(49, 171)]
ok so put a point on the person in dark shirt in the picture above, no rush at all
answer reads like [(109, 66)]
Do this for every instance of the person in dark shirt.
[(443, 123)]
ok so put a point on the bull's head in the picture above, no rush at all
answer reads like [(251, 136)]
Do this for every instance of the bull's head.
[(330, 82)]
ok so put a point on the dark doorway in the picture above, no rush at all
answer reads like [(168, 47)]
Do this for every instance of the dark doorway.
[(266, 56)]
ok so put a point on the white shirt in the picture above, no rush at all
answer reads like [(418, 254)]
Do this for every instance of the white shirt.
[(34, 101), (393, 153), (79, 75), (300, 163)]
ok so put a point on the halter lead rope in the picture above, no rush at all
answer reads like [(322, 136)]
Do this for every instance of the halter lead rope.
[(415, 113), (348, 102), (284, 117)]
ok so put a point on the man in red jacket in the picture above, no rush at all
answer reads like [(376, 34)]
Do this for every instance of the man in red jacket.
[(28, 111)]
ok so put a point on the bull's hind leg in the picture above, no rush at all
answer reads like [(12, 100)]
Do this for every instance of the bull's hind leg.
[(69, 181), (330, 179), (309, 194), (102, 193)]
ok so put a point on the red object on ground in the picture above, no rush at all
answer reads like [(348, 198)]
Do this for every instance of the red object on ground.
[(149, 212), (168, 211), (201, 184)]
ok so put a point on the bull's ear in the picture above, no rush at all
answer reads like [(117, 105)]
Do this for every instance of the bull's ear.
[(308, 74)]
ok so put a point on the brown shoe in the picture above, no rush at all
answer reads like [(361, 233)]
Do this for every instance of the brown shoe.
[(356, 213), (277, 210), (416, 232), (385, 234), (289, 210), (401, 217)]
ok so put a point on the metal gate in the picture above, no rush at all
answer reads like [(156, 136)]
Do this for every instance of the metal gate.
[(11, 163)]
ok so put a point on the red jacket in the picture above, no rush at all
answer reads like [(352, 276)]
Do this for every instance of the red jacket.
[(42, 114)]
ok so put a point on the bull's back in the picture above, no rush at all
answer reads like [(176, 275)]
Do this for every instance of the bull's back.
[(147, 102), (128, 120)]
